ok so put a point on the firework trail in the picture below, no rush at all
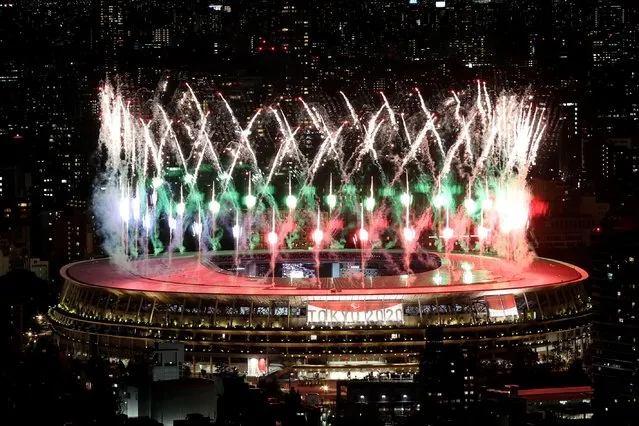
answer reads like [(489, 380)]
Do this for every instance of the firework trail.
[(469, 163)]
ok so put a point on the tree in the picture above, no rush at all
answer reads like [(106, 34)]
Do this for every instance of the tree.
[(223, 369)]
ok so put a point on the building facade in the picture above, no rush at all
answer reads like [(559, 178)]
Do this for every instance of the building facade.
[(615, 253)]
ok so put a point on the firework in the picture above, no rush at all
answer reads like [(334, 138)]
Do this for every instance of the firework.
[(182, 168)]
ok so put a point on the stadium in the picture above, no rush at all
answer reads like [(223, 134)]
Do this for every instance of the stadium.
[(328, 313)]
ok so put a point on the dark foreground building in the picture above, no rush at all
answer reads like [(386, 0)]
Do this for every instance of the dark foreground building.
[(388, 401), (615, 259), (447, 378)]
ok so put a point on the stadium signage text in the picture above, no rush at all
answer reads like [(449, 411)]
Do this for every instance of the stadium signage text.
[(354, 313)]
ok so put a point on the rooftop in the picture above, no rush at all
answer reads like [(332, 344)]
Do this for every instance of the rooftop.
[(458, 273)]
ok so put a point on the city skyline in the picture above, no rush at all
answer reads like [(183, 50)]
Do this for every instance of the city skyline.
[(256, 52), (313, 66)]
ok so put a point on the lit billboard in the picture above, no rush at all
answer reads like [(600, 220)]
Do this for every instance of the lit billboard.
[(257, 367), (502, 306), (354, 312)]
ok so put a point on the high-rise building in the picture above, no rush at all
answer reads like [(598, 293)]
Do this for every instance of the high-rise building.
[(15, 204), (613, 79), (112, 31), (615, 297), (212, 22), (447, 378), (392, 399), (10, 72), (168, 362), (618, 165), (46, 168)]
